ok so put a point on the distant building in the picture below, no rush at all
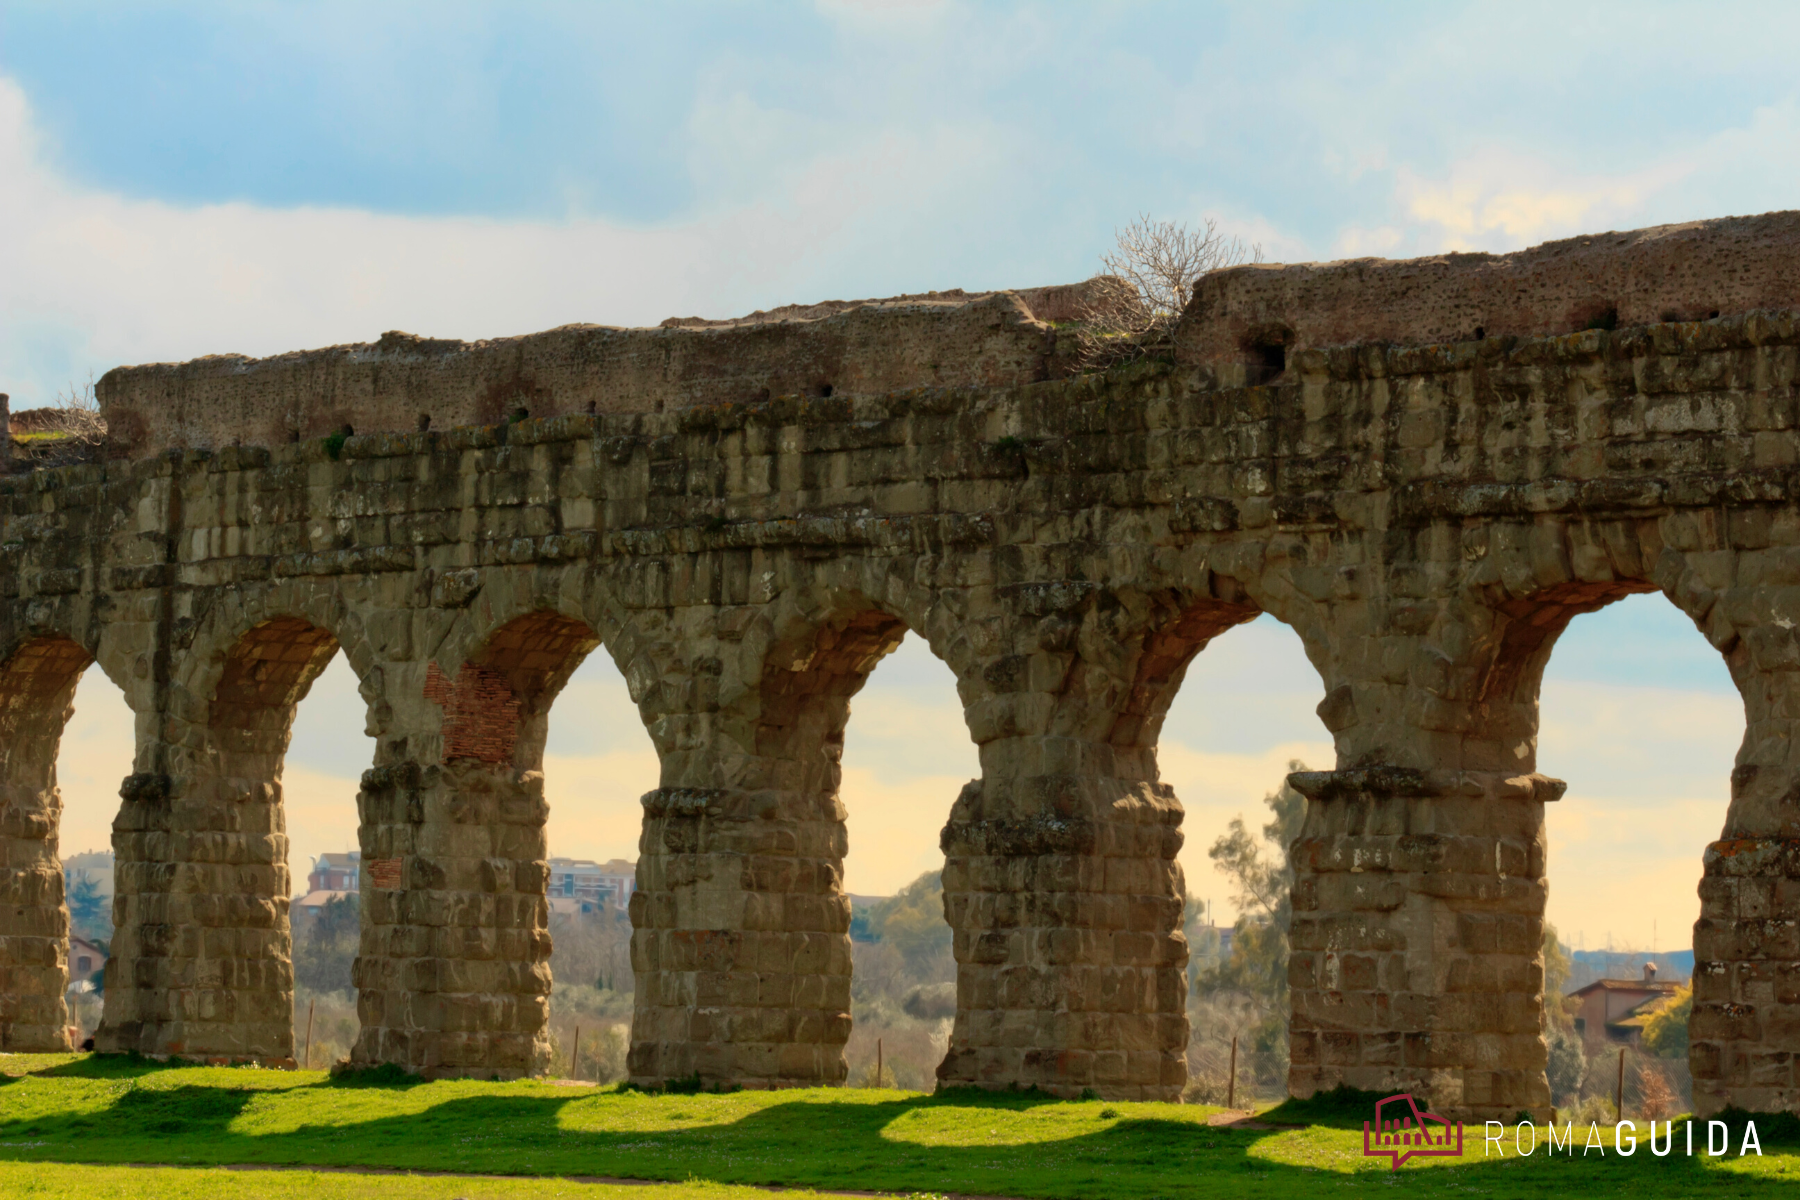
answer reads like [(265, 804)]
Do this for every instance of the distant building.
[(1585, 966), (336, 873), (85, 958), (1614, 1010), (97, 865), (582, 885)]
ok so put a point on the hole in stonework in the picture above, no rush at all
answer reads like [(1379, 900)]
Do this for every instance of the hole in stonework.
[(824, 391), (424, 422), (1607, 319), (1481, 333), (1713, 315), (593, 407), (1639, 715), (1265, 353), (520, 414)]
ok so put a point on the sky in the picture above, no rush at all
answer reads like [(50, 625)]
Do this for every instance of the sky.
[(185, 179)]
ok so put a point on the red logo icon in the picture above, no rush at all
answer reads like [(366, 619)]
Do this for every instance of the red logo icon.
[(1401, 1132)]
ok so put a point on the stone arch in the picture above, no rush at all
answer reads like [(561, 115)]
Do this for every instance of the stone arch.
[(1421, 871), (1741, 1042), (1182, 623), (1187, 623), (741, 919), (248, 639), (497, 705), (575, 596), (458, 827), (37, 694), (204, 947)]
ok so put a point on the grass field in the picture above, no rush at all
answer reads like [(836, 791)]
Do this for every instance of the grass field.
[(57, 1110)]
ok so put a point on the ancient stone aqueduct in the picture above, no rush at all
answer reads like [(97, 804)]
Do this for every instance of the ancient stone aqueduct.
[(1425, 468)]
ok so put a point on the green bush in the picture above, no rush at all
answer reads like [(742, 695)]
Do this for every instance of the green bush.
[(1666, 1032)]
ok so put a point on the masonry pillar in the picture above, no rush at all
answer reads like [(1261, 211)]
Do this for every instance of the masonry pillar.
[(1060, 877), (202, 954), (453, 978), (1061, 885), (1417, 941), (1415, 950), (1744, 1035), (741, 927), (37, 690)]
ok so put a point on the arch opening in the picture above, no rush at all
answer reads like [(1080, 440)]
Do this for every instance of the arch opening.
[(906, 755), (204, 948), (1641, 716), (1234, 710), (471, 830), (328, 749), (55, 915), (599, 761), (805, 711)]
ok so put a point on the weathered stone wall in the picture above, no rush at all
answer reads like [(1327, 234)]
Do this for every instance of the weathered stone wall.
[(1427, 519), (1690, 272), (404, 383)]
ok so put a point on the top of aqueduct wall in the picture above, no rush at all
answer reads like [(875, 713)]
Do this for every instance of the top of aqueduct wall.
[(1242, 324)]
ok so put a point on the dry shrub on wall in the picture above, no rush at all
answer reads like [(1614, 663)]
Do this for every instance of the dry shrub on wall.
[(69, 431), (1149, 278)]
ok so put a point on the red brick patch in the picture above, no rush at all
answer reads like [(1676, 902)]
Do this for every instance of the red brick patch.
[(481, 713)]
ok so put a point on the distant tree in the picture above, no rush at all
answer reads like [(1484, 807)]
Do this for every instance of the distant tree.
[(1557, 966), (1567, 1061), (1262, 879), (912, 922), (1666, 1032), (89, 913), (1256, 969), (593, 948), (325, 946)]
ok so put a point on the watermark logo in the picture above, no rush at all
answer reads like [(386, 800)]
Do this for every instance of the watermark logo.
[(1401, 1132)]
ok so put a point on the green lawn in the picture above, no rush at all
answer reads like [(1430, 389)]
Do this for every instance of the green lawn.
[(62, 1109), (63, 1180)]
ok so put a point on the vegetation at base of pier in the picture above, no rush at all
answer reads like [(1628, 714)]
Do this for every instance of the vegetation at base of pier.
[(61, 1109)]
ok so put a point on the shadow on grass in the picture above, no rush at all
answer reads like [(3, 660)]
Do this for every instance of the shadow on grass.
[(111, 1066), (1340, 1108), (1086, 1150)]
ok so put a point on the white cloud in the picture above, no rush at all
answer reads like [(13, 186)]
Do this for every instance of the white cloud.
[(91, 279), (1499, 198)]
